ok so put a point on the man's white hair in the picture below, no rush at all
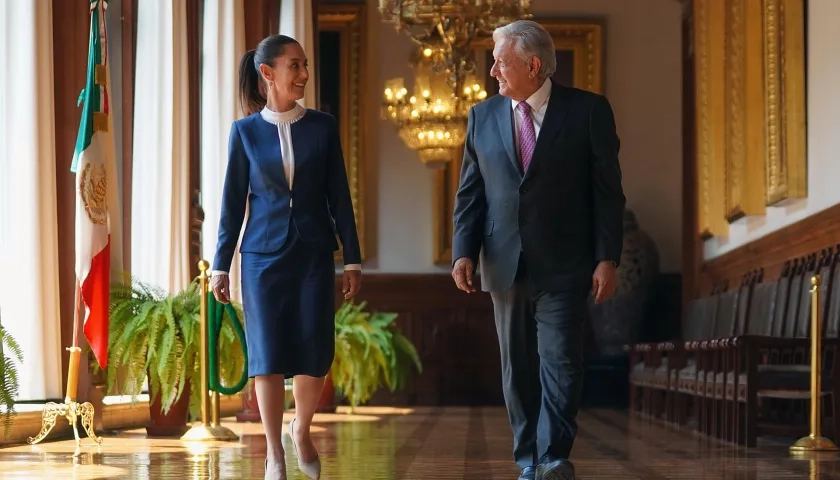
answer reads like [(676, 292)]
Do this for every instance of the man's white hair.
[(530, 39)]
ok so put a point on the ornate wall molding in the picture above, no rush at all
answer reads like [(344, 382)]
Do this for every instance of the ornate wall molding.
[(349, 22), (583, 40), (750, 108), (709, 48), (745, 118), (784, 62)]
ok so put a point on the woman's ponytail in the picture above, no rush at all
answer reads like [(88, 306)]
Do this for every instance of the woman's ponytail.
[(250, 98)]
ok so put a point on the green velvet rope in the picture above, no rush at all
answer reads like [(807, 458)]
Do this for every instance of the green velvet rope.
[(215, 317)]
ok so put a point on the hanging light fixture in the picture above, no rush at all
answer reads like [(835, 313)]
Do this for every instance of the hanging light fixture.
[(448, 28), (433, 120)]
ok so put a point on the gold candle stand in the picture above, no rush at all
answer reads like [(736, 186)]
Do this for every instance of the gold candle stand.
[(210, 427), (814, 442)]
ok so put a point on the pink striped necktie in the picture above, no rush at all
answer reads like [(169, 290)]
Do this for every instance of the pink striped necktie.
[(527, 136)]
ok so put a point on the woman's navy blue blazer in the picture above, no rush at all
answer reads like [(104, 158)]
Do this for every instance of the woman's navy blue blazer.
[(319, 205)]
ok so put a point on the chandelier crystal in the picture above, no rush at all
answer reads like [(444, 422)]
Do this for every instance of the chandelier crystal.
[(448, 28), (432, 121)]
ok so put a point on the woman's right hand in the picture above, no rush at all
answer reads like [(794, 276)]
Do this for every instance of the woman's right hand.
[(220, 284)]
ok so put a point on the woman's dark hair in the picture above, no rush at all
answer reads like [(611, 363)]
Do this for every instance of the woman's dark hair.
[(251, 98)]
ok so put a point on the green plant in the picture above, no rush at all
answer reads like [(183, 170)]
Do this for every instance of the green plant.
[(156, 336), (9, 383), (370, 352)]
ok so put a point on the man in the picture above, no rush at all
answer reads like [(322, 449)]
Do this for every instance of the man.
[(541, 203)]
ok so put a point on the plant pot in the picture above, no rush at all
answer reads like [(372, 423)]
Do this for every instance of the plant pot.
[(326, 404), (250, 407), (172, 423)]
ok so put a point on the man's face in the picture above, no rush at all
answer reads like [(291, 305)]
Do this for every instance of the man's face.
[(516, 77)]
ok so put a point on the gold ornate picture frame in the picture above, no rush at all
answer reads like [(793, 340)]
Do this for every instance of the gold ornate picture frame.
[(750, 104), (342, 68), (579, 46)]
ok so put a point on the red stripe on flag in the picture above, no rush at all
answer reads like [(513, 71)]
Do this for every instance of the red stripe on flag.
[(96, 291)]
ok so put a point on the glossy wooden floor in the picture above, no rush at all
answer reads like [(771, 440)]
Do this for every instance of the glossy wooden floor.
[(428, 444)]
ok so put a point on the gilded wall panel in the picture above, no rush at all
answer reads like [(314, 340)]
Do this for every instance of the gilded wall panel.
[(745, 144), (710, 81), (750, 108), (342, 73), (784, 63)]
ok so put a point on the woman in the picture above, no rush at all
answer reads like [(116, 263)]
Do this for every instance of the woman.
[(287, 162)]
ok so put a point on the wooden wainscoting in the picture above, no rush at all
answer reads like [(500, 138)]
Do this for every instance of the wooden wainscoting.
[(818, 231), (454, 333)]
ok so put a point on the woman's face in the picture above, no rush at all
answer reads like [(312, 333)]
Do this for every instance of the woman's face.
[(288, 78)]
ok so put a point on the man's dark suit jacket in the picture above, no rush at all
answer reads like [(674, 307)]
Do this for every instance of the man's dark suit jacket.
[(565, 214)]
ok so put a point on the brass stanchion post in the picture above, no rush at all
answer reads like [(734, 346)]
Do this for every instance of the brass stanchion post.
[(202, 430), (814, 442), (205, 430), (220, 432)]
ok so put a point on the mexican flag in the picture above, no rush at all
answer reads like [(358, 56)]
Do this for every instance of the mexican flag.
[(95, 168)]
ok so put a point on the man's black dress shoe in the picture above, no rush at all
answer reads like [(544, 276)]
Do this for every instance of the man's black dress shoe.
[(528, 473), (556, 470)]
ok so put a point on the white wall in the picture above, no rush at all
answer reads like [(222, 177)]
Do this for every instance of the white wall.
[(643, 83), (823, 103)]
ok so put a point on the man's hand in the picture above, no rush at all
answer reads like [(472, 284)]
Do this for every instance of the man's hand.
[(220, 284), (603, 281), (352, 283), (462, 273)]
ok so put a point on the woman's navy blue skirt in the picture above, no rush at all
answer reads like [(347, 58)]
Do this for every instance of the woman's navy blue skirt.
[(289, 302)]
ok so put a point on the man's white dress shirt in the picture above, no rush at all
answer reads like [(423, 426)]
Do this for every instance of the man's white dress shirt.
[(539, 103)]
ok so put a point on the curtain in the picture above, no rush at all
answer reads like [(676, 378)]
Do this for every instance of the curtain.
[(160, 171), (112, 142), (296, 22), (223, 44), (29, 308)]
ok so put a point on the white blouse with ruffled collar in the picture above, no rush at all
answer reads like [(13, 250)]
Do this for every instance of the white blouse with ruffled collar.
[(284, 121)]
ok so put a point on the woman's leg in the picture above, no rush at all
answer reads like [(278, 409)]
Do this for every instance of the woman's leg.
[(271, 396), (307, 394)]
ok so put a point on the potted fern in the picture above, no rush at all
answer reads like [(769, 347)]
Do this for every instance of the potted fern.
[(370, 352), (155, 338), (10, 353)]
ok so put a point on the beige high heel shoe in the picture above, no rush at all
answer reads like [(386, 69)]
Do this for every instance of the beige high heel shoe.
[(311, 469), (282, 473)]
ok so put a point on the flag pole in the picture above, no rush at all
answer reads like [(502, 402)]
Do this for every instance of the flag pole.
[(75, 357), (71, 409)]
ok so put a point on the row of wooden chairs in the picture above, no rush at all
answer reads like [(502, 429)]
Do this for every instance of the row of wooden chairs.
[(742, 368)]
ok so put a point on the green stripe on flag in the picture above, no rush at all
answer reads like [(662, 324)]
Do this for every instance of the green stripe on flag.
[(91, 94)]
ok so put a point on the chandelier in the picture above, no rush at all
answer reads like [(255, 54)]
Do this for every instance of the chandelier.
[(433, 121), (448, 27)]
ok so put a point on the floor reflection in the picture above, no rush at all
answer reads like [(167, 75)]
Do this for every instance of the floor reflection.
[(429, 444)]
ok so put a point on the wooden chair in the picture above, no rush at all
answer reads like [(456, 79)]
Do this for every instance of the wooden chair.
[(708, 360), (683, 367), (652, 362), (765, 367), (720, 363)]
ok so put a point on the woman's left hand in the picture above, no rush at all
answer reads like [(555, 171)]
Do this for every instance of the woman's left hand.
[(352, 283)]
